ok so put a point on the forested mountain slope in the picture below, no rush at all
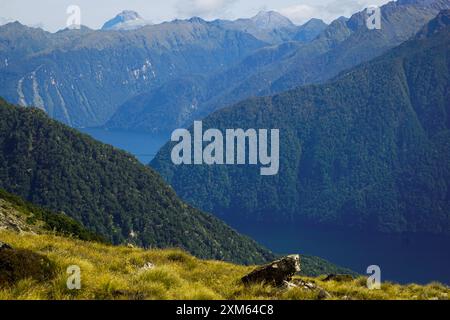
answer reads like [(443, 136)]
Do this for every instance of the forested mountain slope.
[(107, 190), (370, 149)]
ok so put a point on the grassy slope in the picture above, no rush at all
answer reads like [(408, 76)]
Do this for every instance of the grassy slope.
[(115, 273)]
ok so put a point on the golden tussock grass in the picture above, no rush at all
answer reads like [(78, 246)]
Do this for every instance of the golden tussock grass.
[(109, 272)]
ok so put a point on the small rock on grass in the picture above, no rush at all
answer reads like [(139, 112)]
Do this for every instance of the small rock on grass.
[(148, 266)]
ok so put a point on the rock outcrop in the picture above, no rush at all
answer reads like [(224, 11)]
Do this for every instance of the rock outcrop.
[(277, 272), (12, 219)]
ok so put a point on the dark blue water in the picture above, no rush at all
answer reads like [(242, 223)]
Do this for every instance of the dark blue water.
[(403, 258), (143, 145)]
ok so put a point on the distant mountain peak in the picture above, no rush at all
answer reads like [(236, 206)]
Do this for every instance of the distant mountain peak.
[(130, 15), (314, 22), (271, 20), (81, 28), (15, 25), (196, 20), (126, 20), (310, 30)]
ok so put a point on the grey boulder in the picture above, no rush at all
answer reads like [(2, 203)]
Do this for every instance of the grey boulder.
[(277, 272)]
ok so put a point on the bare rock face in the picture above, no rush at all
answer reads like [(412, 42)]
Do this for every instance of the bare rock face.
[(11, 219), (277, 272)]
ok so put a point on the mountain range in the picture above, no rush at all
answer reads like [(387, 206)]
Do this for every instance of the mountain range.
[(136, 76), (343, 44), (82, 76), (367, 150), (272, 28)]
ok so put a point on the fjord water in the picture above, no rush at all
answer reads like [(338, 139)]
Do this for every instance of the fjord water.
[(141, 144), (405, 258)]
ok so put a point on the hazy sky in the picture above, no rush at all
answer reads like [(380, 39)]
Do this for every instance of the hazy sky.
[(51, 14)]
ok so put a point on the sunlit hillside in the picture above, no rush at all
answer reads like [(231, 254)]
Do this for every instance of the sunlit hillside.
[(109, 272)]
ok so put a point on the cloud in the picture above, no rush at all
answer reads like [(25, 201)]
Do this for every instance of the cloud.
[(203, 8), (326, 10), (301, 13), (5, 20)]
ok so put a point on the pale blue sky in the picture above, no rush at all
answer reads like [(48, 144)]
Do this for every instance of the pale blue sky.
[(51, 14)]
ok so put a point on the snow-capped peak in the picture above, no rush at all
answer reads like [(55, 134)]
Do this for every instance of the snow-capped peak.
[(126, 20)]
